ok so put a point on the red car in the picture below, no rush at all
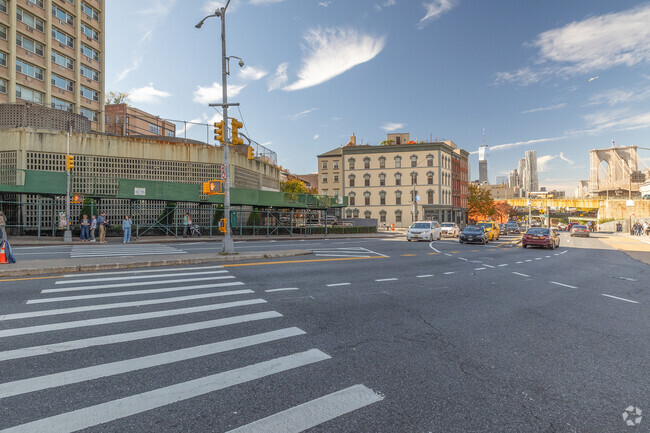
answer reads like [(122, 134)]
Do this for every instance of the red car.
[(540, 237)]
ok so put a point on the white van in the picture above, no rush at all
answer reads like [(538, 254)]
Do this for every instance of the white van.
[(424, 231)]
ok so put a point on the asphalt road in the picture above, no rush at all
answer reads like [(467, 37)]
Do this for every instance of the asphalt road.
[(364, 335)]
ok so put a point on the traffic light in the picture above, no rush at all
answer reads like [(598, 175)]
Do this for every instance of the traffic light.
[(251, 154), (77, 198), (69, 162), (218, 131), (236, 124), (213, 187)]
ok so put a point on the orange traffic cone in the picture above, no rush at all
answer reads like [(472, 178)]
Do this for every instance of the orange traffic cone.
[(3, 256)]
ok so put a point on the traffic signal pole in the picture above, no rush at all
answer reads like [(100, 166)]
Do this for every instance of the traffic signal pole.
[(67, 235), (228, 246)]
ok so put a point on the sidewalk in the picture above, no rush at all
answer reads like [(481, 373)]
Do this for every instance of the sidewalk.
[(59, 266), (33, 241), (637, 247)]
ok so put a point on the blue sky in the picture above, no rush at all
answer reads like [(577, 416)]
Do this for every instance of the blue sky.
[(559, 77)]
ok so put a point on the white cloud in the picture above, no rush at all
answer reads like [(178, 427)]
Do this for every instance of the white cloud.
[(316, 137), (265, 2), (587, 46), (331, 52), (280, 78), (564, 158), (639, 93), (251, 73), (391, 126), (505, 146), (209, 7), (542, 162), (302, 114), (385, 4), (549, 108), (213, 94), (135, 65), (324, 4), (434, 9), (191, 124), (147, 94)]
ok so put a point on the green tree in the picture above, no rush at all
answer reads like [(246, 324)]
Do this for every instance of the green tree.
[(293, 185), (117, 98), (254, 218), (480, 202), (387, 143)]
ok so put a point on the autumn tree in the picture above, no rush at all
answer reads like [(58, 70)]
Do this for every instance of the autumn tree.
[(294, 186), (117, 98), (480, 203), (504, 211)]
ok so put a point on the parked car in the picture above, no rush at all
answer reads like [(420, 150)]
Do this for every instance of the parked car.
[(473, 234), (491, 228), (570, 226), (424, 231), (450, 229), (512, 228), (578, 230), (540, 237), (502, 229)]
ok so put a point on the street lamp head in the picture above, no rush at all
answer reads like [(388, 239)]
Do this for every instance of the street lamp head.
[(241, 63), (199, 25)]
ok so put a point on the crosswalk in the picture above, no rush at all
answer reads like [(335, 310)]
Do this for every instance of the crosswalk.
[(122, 250), (92, 331), (347, 252)]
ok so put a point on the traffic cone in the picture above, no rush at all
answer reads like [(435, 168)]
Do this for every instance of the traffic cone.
[(3, 256)]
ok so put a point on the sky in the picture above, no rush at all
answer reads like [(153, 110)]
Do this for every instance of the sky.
[(559, 77)]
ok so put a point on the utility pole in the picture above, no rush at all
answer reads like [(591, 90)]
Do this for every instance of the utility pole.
[(67, 235)]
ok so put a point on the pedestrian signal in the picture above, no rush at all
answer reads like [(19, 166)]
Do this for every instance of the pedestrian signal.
[(222, 225), (77, 199), (213, 187)]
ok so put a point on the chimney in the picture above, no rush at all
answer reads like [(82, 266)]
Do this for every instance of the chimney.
[(353, 139)]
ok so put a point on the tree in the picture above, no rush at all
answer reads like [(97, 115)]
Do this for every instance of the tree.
[(480, 203), (293, 185), (387, 143), (117, 98), (504, 211)]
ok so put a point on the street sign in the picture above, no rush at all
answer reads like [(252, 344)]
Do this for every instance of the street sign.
[(223, 171), (140, 191), (637, 177), (417, 198)]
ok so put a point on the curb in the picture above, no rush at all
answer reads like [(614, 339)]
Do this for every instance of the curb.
[(150, 263)]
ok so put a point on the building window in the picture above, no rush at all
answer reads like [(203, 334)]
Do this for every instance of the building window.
[(366, 163), (352, 197), (336, 178), (366, 179), (398, 216), (62, 60), (89, 114), (398, 197), (38, 3), (62, 37), (3, 86), (336, 193), (3, 59), (355, 213), (325, 192), (398, 162), (3, 32), (30, 20), (382, 162), (29, 70), (324, 165), (89, 73), (61, 105), (3, 6), (414, 160), (366, 196), (429, 160), (29, 45), (92, 13), (87, 93), (351, 179), (89, 52), (324, 179), (430, 197), (382, 216), (62, 15), (90, 32), (170, 133), (29, 94), (414, 178), (335, 165), (154, 129), (382, 197), (398, 178), (430, 178), (62, 83), (367, 214), (382, 179), (351, 163), (348, 213)]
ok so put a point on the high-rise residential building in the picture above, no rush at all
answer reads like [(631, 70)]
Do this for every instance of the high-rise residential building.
[(531, 182), (521, 169), (122, 119), (52, 53), (482, 165), (513, 178)]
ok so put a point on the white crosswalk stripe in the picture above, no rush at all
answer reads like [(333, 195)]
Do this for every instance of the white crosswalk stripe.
[(54, 328), (122, 250)]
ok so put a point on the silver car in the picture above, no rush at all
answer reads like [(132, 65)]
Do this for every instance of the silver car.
[(450, 229), (424, 231)]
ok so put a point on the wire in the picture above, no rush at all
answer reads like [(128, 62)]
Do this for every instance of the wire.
[(242, 121)]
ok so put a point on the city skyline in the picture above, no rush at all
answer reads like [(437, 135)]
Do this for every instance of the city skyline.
[(439, 70)]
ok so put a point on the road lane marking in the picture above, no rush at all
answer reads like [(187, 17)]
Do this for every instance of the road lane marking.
[(116, 409), (386, 279), (479, 269), (314, 412), (620, 299), (139, 283), (39, 383), (32, 278), (338, 284), (502, 265), (538, 258), (475, 251), (519, 263), (407, 255), (120, 305), (431, 246), (285, 289), (133, 336), (462, 258), (564, 252), (425, 276), (133, 292), (138, 277), (488, 266), (563, 285), (454, 252), (521, 275), (528, 260), (125, 318), (92, 274), (449, 273), (284, 262), (448, 254), (548, 257), (433, 254)]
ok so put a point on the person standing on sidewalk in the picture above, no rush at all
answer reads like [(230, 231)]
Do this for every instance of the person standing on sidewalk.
[(101, 222), (85, 228), (3, 224), (93, 227), (126, 227), (187, 223)]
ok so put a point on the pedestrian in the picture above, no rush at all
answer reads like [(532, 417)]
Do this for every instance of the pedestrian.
[(85, 228), (646, 228), (102, 223), (3, 224), (126, 227), (93, 227), (187, 223)]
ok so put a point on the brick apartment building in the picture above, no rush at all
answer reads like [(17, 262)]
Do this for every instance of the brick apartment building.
[(122, 119)]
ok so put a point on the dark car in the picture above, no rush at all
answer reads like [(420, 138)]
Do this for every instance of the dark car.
[(473, 234), (540, 237), (512, 228)]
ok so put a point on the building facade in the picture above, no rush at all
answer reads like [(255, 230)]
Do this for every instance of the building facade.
[(398, 183), (52, 54), (121, 119)]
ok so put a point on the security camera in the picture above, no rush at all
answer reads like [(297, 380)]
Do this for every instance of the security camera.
[(241, 63)]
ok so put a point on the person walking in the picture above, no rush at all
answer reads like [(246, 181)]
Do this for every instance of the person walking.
[(102, 223), (85, 228), (93, 227), (126, 227), (187, 223), (3, 224)]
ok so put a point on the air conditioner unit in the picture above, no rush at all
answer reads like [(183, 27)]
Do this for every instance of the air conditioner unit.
[(29, 29), (62, 22), (62, 45), (89, 59), (89, 38)]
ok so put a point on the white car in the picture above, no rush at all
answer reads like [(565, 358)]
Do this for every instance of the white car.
[(450, 229), (424, 231)]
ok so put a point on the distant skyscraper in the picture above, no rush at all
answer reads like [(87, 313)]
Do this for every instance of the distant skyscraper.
[(513, 178), (529, 179), (482, 164), (522, 172)]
